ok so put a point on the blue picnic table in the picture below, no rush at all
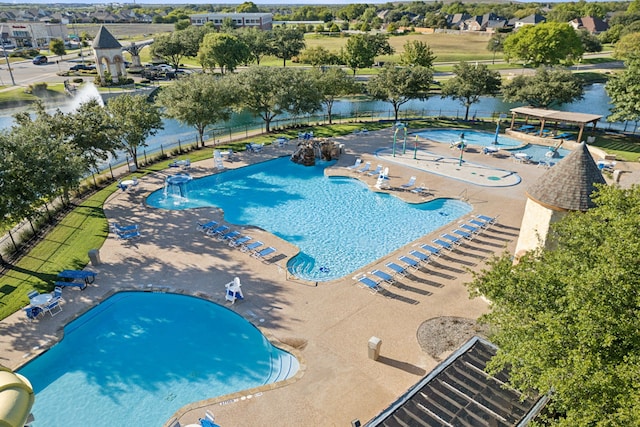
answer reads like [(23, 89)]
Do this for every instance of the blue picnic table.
[(69, 277)]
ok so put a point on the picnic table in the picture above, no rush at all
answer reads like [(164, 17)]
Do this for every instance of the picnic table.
[(69, 278)]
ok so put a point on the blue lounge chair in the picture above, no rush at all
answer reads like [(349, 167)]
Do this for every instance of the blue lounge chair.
[(365, 168), (264, 252), (444, 244), (411, 263), (478, 223), (433, 251), (463, 234), (128, 236), (487, 219), (563, 135), (251, 246), (409, 184), (370, 284), (206, 226), (453, 239), (397, 269), (228, 236), (218, 231), (123, 228), (239, 241), (421, 257), (356, 164), (386, 277), (471, 228), (376, 171)]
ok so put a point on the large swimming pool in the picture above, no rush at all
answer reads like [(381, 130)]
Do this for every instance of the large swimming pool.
[(138, 357), (338, 223)]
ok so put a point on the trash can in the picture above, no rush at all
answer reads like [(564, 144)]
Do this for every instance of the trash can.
[(94, 256), (374, 347)]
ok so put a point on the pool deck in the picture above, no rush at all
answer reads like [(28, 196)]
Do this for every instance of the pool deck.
[(327, 325)]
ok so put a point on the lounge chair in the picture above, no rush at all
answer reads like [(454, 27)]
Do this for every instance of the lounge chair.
[(206, 226), (480, 224), (409, 184), (128, 236), (421, 257), (228, 236), (453, 239), (563, 135), (254, 148), (487, 219), (365, 168), (433, 251), (471, 228), (444, 244), (421, 190), (370, 284), (356, 165), (398, 270), (386, 277), (463, 234), (412, 264), (123, 228), (264, 253), (376, 171), (239, 241), (251, 246), (218, 231)]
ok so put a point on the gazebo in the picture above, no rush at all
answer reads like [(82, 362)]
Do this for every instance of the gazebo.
[(554, 116)]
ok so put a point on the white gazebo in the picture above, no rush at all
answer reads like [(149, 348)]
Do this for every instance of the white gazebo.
[(108, 53)]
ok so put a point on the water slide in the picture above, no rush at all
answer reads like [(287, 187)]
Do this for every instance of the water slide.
[(16, 398)]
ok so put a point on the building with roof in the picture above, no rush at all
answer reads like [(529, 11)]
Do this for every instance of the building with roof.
[(534, 19), (459, 392), (566, 187), (592, 24), (262, 21), (108, 54)]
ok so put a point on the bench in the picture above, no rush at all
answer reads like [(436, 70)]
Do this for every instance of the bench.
[(80, 285)]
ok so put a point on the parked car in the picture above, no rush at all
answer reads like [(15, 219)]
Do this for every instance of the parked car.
[(163, 67), (40, 59), (82, 67)]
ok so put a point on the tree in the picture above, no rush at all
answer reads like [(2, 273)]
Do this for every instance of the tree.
[(547, 43), (417, 52), (590, 43), (137, 119), (400, 85), (247, 7), (257, 41), (267, 92), (470, 83), (624, 90), (627, 46), (496, 44), (317, 56), (361, 50), (172, 47), (199, 100), (566, 319), (287, 42), (222, 49), (334, 83), (549, 86), (57, 47)]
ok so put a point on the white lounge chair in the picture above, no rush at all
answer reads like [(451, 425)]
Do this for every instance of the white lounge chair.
[(365, 168), (357, 164), (409, 184), (376, 171)]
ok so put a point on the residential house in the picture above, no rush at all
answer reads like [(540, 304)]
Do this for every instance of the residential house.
[(590, 23), (534, 19)]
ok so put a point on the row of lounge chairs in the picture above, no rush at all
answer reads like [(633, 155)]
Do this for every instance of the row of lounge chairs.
[(384, 174), (424, 253), (236, 239)]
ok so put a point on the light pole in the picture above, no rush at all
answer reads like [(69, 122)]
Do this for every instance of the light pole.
[(6, 58)]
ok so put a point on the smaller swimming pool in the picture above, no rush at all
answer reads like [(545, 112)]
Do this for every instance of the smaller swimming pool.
[(138, 357), (471, 137)]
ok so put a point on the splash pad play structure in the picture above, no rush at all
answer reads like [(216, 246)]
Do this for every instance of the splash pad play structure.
[(176, 187), (16, 398)]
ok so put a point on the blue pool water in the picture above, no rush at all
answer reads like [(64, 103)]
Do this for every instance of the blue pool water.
[(338, 223), (539, 153), (139, 356), (471, 137)]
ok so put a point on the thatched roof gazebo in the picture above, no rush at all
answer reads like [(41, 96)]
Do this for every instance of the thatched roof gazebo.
[(554, 116)]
